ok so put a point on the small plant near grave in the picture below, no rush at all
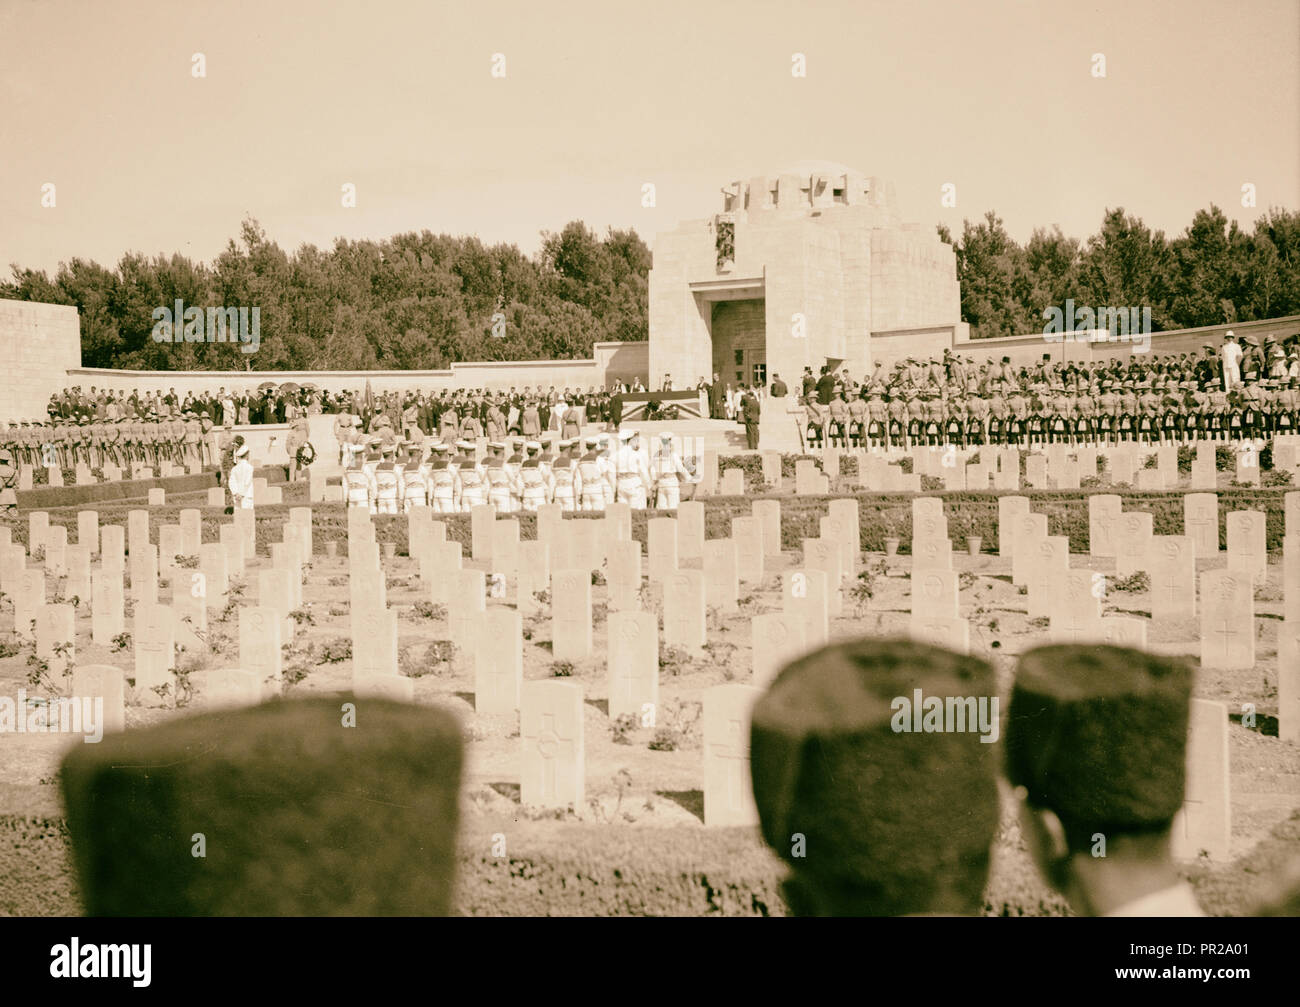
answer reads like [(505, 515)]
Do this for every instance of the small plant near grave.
[(672, 659), (597, 578), (599, 613), (1137, 581), (621, 728), (1151, 462), (38, 674), (1277, 477), (294, 674), (966, 580), (187, 562), (235, 588), (121, 642), (1022, 589), (1089, 482), (338, 610), (864, 590), (931, 484), (543, 597), (336, 650), (561, 669), (338, 582), (428, 610), (906, 465), (1186, 455), (38, 554), (622, 784), (1039, 622), (680, 719), (401, 583), (301, 616), (748, 604), (1225, 458)]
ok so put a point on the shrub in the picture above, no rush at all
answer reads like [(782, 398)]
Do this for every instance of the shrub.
[(335, 650), (621, 728), (561, 669), (1136, 582)]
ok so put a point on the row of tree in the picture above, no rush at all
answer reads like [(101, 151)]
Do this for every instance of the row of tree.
[(1215, 272), (422, 301), (414, 301)]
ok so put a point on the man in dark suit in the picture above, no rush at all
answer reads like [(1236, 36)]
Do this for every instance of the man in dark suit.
[(717, 400), (825, 387), (749, 411), (616, 408), (779, 390)]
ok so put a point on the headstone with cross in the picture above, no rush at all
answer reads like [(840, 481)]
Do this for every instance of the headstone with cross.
[(1201, 523), (144, 575), (1171, 564), (106, 606), (1204, 825), (690, 530), (103, 682), (154, 639), (661, 539), (824, 554), (747, 534), (803, 594), (634, 666), (1132, 539), (499, 662), (768, 513), (1103, 513), (1247, 551), (259, 647), (1049, 561), (684, 610), (88, 530), (466, 601), (623, 577), (1074, 606), (374, 641), (728, 793), (505, 546), (1227, 621), (721, 582), (571, 615), (1010, 509), (778, 638), (552, 762)]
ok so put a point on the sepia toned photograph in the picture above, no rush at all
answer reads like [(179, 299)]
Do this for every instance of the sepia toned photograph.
[(837, 459)]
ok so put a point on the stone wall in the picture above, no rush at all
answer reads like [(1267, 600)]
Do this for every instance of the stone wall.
[(612, 361), (42, 343)]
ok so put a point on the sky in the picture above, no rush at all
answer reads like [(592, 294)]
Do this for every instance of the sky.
[(397, 97)]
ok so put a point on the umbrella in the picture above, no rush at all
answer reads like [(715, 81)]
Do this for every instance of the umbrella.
[(265, 385), (311, 386), (290, 386)]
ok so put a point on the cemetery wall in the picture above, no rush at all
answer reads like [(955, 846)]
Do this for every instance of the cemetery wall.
[(42, 345), (612, 360)]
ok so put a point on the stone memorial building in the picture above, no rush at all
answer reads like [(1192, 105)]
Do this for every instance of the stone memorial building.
[(809, 263)]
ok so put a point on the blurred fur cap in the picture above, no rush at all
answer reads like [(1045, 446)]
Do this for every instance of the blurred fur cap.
[(894, 823), (1098, 735)]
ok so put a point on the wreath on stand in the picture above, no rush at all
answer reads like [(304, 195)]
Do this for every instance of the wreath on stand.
[(306, 455)]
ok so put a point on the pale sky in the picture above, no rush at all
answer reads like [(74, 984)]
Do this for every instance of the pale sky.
[(396, 96)]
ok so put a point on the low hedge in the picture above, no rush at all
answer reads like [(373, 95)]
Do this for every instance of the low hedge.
[(575, 869), (881, 516)]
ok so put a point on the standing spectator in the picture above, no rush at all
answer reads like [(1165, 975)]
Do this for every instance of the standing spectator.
[(750, 412), (1232, 355)]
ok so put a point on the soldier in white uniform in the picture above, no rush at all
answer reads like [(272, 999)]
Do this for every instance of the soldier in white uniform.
[(501, 485), (537, 484), (633, 472), (607, 460), (1096, 746), (356, 483), (385, 484), (241, 480), (415, 482), (444, 482), (564, 472), (473, 484), (592, 478), (669, 474)]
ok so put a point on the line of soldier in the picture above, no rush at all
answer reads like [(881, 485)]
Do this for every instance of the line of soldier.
[(87, 440), (389, 475), (1102, 409)]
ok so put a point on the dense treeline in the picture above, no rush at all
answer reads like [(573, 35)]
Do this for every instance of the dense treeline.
[(1213, 273), (418, 301), (414, 301)]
